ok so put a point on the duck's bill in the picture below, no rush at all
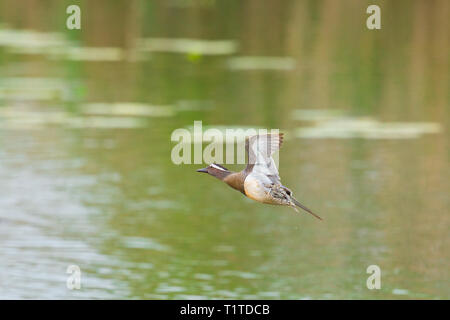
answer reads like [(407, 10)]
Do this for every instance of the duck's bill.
[(204, 170)]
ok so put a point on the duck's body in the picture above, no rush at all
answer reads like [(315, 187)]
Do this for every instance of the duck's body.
[(257, 187), (260, 180)]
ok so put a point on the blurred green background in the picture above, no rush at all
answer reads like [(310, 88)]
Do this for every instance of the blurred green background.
[(86, 176)]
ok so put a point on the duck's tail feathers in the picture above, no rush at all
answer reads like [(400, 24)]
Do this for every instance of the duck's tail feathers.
[(298, 204)]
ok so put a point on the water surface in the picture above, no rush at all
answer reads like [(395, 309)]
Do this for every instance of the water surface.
[(87, 179)]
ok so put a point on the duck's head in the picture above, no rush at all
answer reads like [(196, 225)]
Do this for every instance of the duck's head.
[(216, 170)]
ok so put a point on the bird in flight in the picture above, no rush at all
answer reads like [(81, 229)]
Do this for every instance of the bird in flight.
[(260, 180)]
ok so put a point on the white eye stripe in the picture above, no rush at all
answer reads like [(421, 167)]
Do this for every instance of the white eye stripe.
[(217, 167)]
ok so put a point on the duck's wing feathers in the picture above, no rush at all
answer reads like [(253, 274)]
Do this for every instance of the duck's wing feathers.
[(259, 149)]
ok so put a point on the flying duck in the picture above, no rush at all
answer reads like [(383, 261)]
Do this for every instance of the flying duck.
[(259, 180)]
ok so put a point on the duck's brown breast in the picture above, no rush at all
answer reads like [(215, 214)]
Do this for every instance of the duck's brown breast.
[(236, 181)]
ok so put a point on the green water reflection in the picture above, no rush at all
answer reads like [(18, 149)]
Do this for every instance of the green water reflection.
[(87, 179)]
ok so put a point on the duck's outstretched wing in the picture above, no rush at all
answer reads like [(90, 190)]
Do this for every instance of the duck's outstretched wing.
[(259, 150)]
